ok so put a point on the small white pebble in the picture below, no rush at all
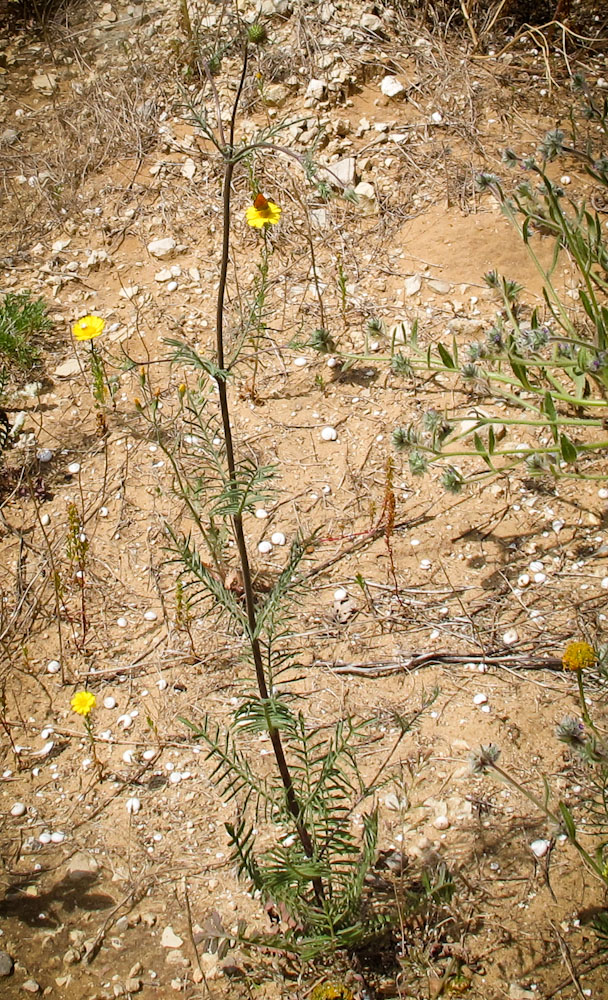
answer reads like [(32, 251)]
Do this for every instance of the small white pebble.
[(175, 778), (261, 513), (277, 538), (264, 548), (540, 847), (73, 468), (414, 541), (510, 637), (604, 583), (150, 616), (539, 577), (133, 805), (300, 362), (53, 667), (58, 837), (109, 702), (18, 809), (45, 520), (171, 286), (148, 754), (121, 622), (44, 838), (329, 434), (162, 684), (437, 117), (523, 580), (480, 699), (340, 595), (44, 455), (332, 362), (441, 823)]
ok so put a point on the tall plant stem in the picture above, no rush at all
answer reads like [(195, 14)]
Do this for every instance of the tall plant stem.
[(237, 520)]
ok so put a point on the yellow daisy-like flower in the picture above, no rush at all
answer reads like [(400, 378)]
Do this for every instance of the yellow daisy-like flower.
[(262, 213), (83, 703), (88, 327), (579, 656)]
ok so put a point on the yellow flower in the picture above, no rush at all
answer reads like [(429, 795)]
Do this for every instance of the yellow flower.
[(83, 703), (332, 990), (579, 656), (88, 327), (262, 213)]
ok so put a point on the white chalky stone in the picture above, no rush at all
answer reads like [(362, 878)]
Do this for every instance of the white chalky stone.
[(150, 616), (510, 637), (278, 538), (265, 548), (18, 809), (540, 847), (171, 286), (148, 754), (53, 667), (58, 837), (300, 362), (44, 455), (539, 578), (340, 595), (44, 838), (261, 513), (45, 520), (128, 756), (604, 583), (73, 468), (329, 434), (133, 806), (480, 699), (121, 622), (441, 823), (332, 362), (109, 702), (175, 778)]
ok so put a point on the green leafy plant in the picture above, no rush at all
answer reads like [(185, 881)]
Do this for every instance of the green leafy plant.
[(312, 863), (23, 320)]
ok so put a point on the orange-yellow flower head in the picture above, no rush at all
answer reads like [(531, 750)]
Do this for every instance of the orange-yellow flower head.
[(332, 990), (83, 703), (88, 327), (579, 656), (262, 213)]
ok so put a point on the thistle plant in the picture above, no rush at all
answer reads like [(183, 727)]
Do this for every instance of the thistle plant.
[(315, 868), (578, 657)]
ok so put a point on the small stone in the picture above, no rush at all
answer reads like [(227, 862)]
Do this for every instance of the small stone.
[(6, 963), (18, 809), (71, 956), (57, 837), (316, 90), (53, 667), (391, 86), (371, 22), (540, 847), (31, 986), (519, 993), (133, 984), (340, 595), (169, 939), (68, 368), (441, 822), (136, 970), (188, 169), (162, 248), (44, 455), (510, 637), (121, 622), (343, 172), (437, 117), (150, 616), (392, 802), (171, 286), (45, 520), (329, 434), (133, 805), (45, 83), (74, 468), (300, 362), (261, 513), (412, 284)]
